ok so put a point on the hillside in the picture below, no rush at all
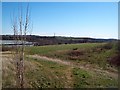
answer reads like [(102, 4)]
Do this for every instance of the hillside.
[(54, 40), (87, 65)]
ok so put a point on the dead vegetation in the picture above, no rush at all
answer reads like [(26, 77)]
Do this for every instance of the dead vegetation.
[(115, 60), (75, 54)]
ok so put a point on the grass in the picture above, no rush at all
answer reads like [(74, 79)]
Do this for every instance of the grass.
[(47, 74), (80, 78), (92, 53), (47, 50), (38, 74), (87, 79)]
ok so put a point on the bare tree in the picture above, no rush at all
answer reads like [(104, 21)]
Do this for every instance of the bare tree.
[(20, 27)]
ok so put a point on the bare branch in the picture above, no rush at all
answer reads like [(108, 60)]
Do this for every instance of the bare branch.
[(20, 21), (21, 32), (27, 19)]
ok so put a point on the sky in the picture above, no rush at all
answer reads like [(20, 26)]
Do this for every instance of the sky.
[(73, 19)]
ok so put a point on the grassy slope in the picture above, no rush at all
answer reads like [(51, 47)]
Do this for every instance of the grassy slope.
[(47, 50), (38, 74), (92, 53), (55, 75), (46, 74)]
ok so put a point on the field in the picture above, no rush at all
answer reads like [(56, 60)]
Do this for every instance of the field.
[(64, 66)]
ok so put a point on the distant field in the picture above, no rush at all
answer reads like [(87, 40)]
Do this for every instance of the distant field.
[(68, 65), (46, 50), (93, 53)]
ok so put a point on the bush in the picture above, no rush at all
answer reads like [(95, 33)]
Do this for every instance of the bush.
[(76, 53), (107, 46), (75, 48), (7, 48), (115, 60)]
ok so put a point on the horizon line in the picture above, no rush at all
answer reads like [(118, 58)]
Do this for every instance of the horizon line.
[(66, 36)]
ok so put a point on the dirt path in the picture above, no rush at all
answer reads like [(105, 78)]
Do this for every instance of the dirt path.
[(69, 83), (87, 67)]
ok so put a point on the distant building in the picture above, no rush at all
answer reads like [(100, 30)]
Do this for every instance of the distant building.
[(14, 42)]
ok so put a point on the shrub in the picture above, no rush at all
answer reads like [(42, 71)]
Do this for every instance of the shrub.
[(107, 46), (115, 60), (6, 48), (75, 48)]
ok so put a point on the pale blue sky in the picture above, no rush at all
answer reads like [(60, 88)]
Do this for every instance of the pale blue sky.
[(76, 19)]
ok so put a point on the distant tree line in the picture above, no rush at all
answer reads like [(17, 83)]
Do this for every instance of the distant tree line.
[(53, 40)]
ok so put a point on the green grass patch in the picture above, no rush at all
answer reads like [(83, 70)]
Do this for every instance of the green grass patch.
[(47, 50), (46, 74), (92, 53), (87, 79)]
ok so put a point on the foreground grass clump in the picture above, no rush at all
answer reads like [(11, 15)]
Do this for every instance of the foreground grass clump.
[(81, 78)]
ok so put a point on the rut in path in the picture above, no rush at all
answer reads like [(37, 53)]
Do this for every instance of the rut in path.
[(88, 68)]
